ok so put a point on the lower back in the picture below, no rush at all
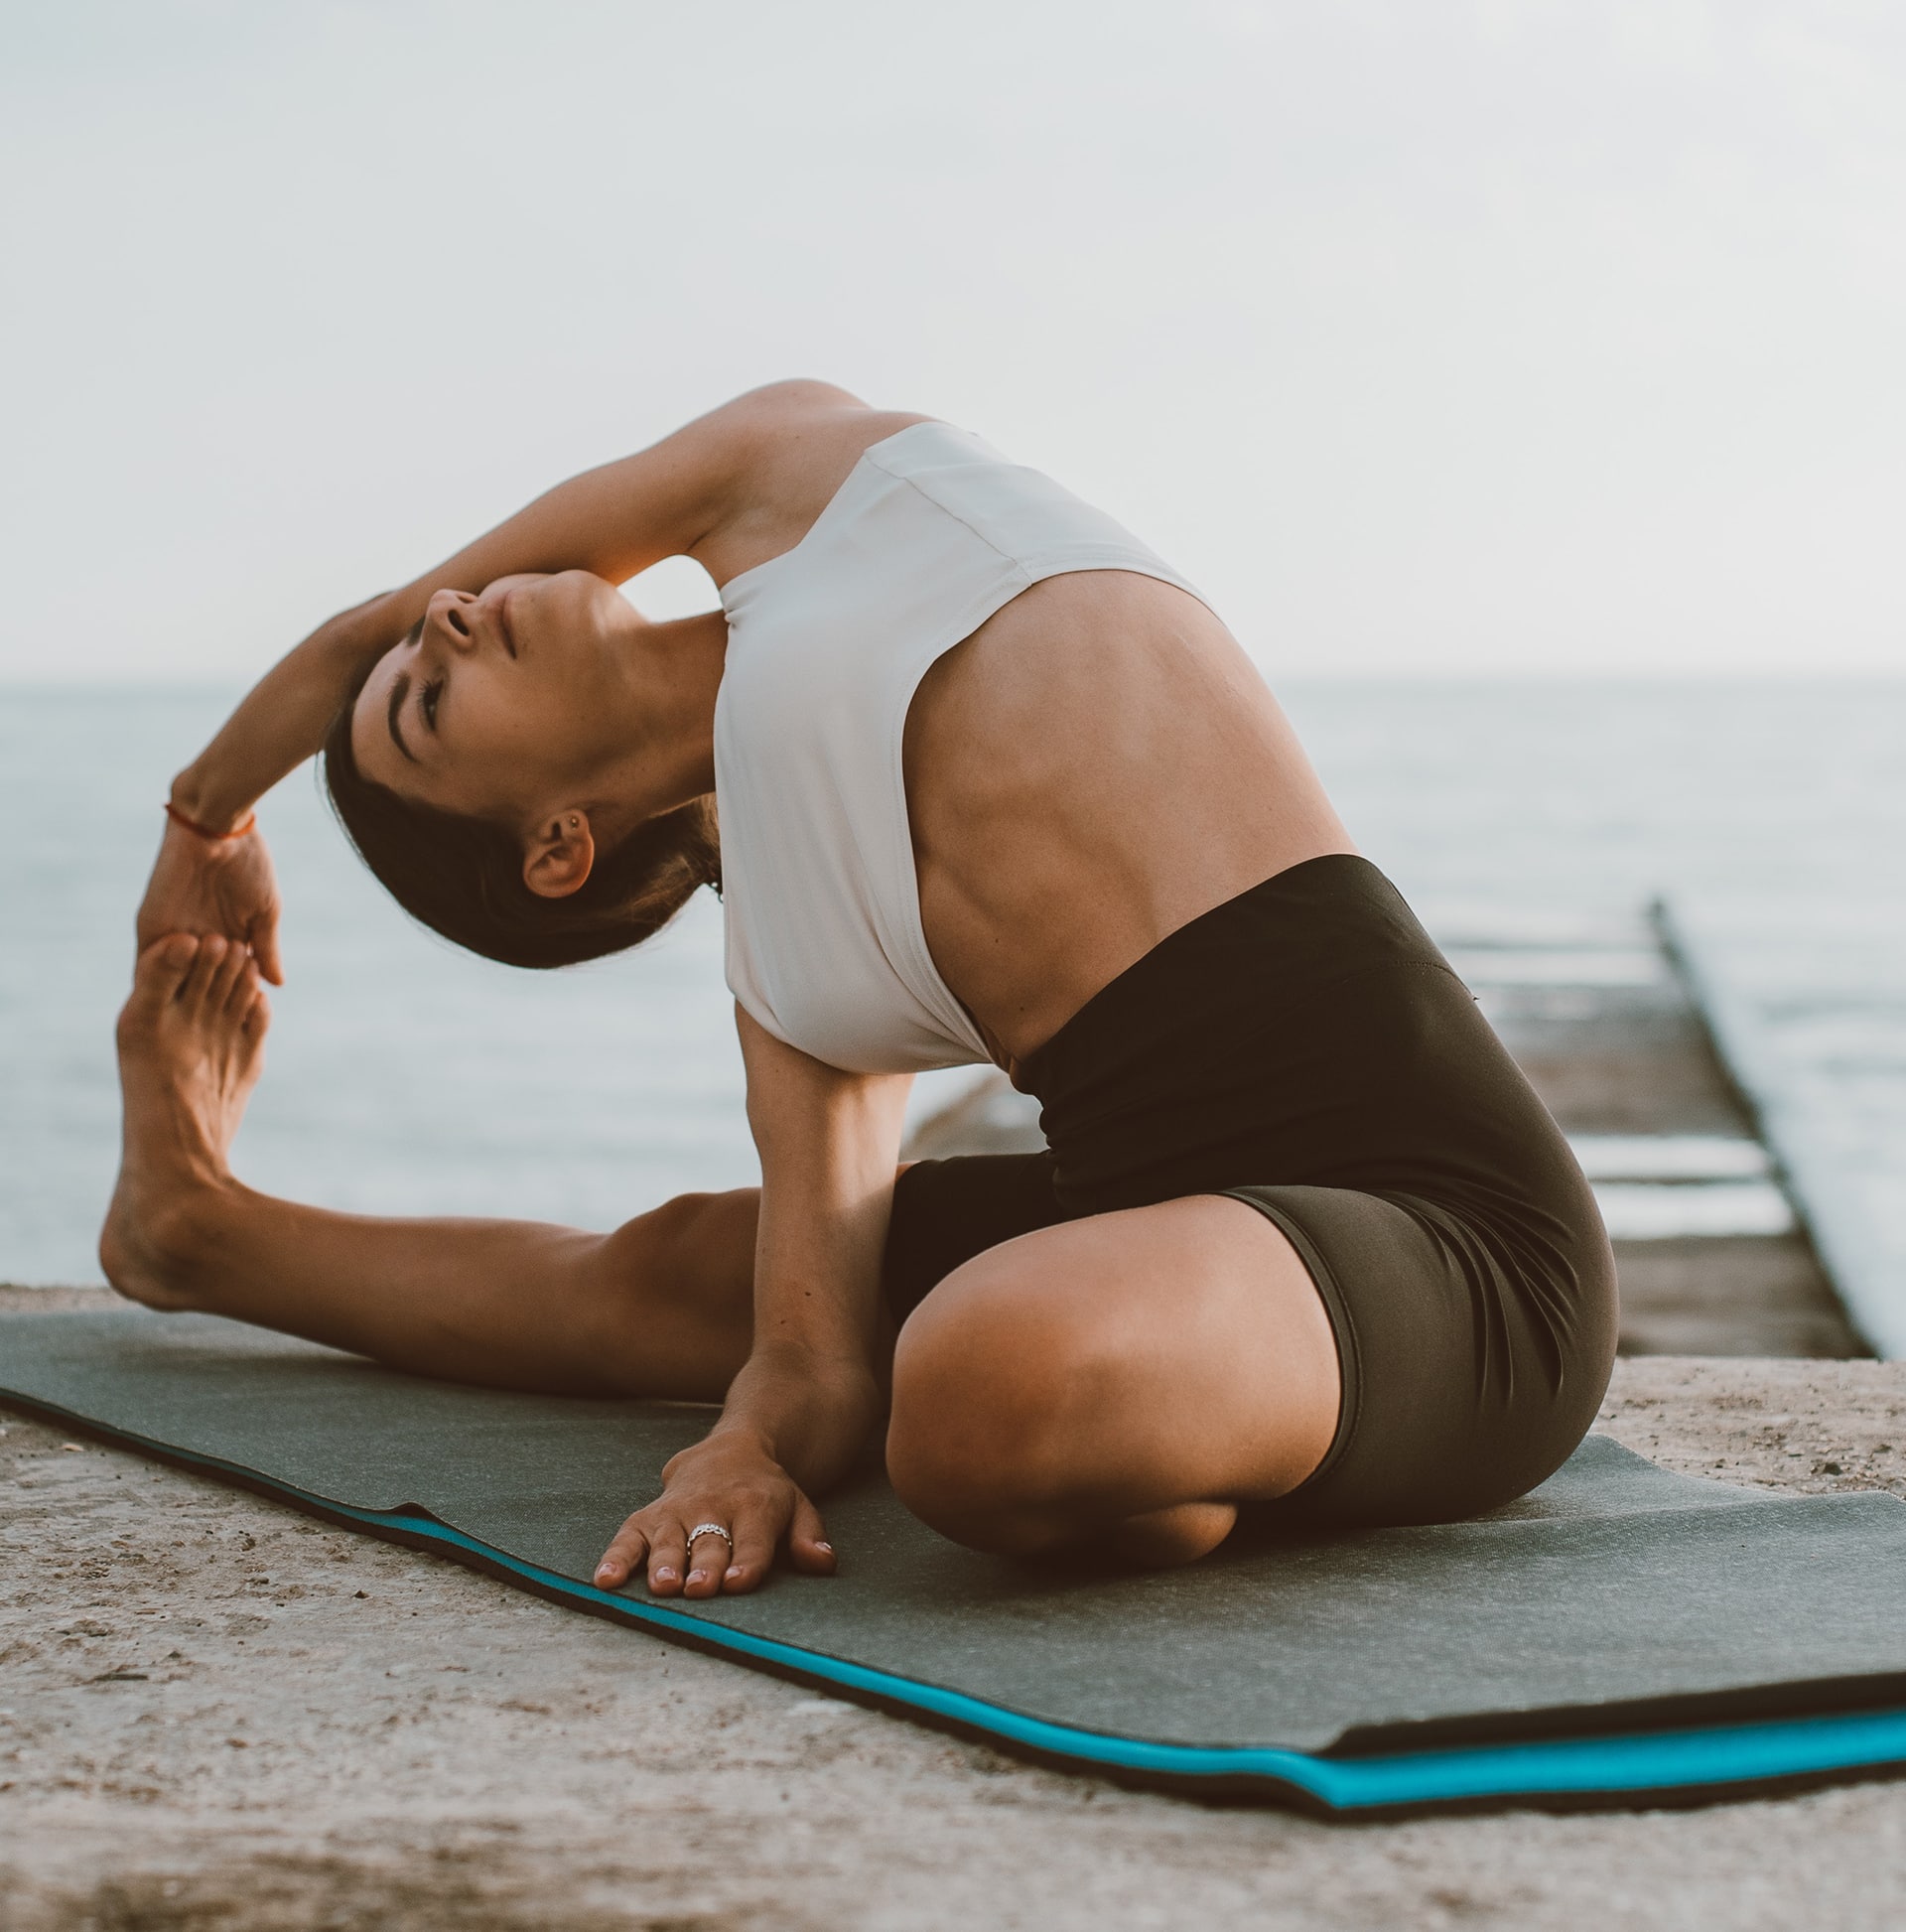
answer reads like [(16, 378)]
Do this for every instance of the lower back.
[(1095, 766)]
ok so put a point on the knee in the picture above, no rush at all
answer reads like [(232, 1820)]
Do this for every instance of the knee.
[(983, 1386)]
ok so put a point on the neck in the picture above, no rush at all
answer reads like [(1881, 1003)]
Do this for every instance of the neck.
[(677, 669)]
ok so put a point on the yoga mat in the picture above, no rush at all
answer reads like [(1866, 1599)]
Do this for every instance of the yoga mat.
[(1620, 1636)]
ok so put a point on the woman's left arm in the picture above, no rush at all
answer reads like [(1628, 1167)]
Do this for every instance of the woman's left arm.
[(799, 1410)]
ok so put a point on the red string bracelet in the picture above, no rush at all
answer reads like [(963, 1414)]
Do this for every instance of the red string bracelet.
[(204, 831)]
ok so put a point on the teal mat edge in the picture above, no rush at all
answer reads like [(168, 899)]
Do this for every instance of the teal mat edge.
[(1695, 1763)]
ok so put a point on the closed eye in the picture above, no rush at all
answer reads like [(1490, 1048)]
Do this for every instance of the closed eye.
[(428, 698)]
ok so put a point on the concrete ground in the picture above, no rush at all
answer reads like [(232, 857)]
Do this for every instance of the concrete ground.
[(214, 1712)]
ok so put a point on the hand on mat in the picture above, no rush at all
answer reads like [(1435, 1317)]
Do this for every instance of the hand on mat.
[(229, 887), (736, 1486)]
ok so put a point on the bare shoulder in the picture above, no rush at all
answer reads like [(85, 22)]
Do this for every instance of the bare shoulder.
[(786, 447), (774, 405), (734, 486), (761, 425)]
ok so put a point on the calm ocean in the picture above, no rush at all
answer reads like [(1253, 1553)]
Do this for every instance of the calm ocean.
[(405, 1077)]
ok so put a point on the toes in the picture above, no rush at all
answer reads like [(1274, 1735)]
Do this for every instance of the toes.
[(242, 986), (232, 973), (203, 972), (161, 971)]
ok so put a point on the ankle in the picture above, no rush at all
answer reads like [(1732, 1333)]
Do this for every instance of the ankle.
[(185, 1225), (156, 1247)]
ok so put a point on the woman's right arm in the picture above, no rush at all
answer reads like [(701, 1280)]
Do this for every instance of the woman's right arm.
[(226, 885), (804, 1402), (614, 520)]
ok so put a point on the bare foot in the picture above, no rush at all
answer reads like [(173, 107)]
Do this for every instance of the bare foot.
[(190, 1049)]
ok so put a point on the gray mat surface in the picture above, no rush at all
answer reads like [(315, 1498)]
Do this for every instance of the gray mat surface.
[(1616, 1595)]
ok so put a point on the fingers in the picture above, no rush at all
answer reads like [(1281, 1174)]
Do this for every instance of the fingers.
[(263, 937), (241, 983), (202, 976), (756, 1534), (232, 983), (708, 1565), (667, 1558), (622, 1556), (245, 1001), (258, 1015), (648, 1536), (807, 1542), (198, 888)]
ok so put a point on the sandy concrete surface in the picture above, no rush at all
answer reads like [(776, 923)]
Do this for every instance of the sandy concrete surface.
[(214, 1712)]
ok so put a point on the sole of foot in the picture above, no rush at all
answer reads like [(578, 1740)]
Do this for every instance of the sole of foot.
[(190, 1049)]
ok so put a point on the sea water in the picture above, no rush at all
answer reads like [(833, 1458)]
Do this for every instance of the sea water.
[(404, 1077)]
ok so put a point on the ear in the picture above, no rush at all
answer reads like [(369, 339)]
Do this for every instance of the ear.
[(559, 858)]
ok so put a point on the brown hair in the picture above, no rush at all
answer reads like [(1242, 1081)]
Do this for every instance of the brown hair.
[(464, 878)]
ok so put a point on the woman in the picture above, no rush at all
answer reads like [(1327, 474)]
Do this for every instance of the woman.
[(994, 783)]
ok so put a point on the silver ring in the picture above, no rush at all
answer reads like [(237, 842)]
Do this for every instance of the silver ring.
[(710, 1529)]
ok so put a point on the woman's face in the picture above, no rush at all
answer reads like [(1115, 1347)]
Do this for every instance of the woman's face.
[(501, 705)]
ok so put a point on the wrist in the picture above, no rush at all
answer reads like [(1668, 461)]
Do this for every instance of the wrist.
[(210, 834), (197, 805), (792, 1411), (740, 1437)]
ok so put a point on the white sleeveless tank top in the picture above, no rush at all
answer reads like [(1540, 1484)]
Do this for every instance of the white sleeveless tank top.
[(931, 533)]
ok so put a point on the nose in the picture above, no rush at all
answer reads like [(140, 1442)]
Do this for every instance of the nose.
[(446, 614)]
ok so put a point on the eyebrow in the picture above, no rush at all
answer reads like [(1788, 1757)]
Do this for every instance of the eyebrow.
[(399, 691)]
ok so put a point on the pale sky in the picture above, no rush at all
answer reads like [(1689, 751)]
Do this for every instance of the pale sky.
[(1428, 337)]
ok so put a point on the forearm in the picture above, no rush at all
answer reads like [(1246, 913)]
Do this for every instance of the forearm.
[(614, 520), (282, 719), (810, 1390), (582, 524), (801, 1409)]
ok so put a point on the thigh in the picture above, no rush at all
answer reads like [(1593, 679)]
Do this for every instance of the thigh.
[(947, 1211), (1118, 1364), (1475, 1354)]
